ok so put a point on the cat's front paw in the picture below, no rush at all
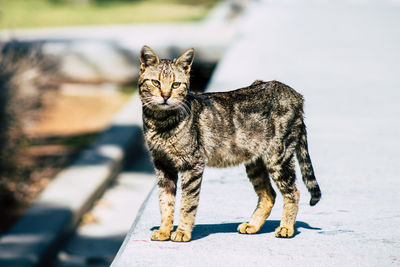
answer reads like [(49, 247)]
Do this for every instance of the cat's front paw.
[(246, 228), (284, 232), (160, 235), (180, 236)]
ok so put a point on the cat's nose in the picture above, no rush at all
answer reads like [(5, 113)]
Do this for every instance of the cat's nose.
[(165, 97)]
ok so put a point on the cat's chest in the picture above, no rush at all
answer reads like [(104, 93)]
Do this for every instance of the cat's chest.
[(163, 141), (178, 146)]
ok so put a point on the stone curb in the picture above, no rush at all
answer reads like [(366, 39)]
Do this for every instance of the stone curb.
[(39, 233), (133, 226)]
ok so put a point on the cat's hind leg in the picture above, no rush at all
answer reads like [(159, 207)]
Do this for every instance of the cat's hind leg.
[(258, 175), (283, 173)]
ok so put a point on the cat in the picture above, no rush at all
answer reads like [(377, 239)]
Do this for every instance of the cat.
[(260, 125)]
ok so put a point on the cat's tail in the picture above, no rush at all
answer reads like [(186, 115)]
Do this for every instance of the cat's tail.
[(306, 167)]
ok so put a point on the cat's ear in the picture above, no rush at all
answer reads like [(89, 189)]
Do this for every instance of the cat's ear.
[(148, 57), (186, 60)]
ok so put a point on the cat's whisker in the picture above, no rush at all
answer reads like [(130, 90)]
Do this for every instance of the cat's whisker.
[(183, 107), (148, 101), (146, 104)]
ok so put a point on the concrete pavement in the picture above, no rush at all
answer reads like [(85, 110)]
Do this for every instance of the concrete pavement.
[(343, 57)]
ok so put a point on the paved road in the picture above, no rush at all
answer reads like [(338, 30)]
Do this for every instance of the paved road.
[(344, 57)]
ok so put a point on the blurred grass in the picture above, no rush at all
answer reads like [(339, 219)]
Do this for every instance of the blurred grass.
[(75, 142), (128, 90), (55, 13)]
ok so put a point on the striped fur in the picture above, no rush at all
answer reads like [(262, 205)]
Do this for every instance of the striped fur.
[(260, 125)]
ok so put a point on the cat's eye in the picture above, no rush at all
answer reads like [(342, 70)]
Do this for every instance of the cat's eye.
[(156, 83), (175, 85)]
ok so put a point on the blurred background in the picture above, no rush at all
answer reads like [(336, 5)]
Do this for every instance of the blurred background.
[(66, 66), (62, 13)]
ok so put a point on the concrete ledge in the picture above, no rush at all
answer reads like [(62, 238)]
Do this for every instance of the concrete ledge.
[(38, 234)]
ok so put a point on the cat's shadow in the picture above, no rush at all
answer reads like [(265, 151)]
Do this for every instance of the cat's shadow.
[(203, 230)]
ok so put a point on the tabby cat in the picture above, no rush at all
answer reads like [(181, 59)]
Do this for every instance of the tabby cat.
[(260, 125)]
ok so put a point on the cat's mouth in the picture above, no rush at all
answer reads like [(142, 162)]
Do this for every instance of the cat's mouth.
[(161, 104), (164, 105), (167, 104)]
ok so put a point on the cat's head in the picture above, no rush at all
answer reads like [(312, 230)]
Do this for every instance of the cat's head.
[(163, 84)]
